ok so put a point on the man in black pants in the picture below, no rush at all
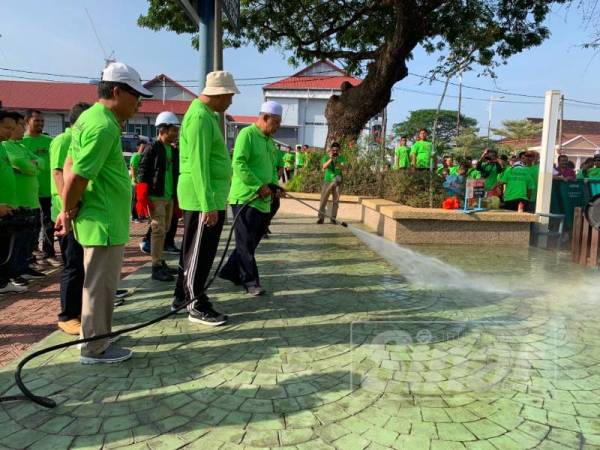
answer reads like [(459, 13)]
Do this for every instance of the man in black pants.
[(204, 180), (254, 169)]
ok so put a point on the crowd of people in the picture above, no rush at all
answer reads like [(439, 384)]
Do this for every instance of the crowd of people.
[(78, 187), (511, 181)]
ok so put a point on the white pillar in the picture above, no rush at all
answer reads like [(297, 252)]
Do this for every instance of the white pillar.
[(547, 153)]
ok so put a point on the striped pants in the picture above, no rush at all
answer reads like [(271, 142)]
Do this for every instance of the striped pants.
[(198, 252)]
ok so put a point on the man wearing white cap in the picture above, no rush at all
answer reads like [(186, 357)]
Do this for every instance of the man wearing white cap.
[(204, 181), (253, 171), (157, 173), (96, 201)]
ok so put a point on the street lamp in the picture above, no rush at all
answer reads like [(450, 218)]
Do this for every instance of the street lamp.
[(492, 99)]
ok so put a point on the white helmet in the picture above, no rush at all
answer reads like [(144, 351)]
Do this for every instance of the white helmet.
[(166, 118)]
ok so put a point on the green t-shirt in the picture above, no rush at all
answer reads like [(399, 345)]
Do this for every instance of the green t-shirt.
[(59, 148), (204, 162), (593, 173), (279, 158), (300, 159), (518, 181), (168, 195), (27, 166), (8, 183), (253, 167), (422, 151), (134, 163), (97, 154), (452, 170), (288, 160), (403, 156), (474, 174), (535, 172), (40, 146), (330, 173), (493, 172)]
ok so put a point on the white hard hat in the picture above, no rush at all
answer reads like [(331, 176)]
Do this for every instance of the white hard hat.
[(166, 118)]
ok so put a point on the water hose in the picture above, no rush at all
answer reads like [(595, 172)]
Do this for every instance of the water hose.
[(48, 402)]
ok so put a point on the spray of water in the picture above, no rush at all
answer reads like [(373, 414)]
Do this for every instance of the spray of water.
[(425, 271)]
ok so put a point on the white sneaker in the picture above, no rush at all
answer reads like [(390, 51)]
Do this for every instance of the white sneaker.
[(12, 288)]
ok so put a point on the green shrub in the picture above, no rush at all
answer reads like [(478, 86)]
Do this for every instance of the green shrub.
[(363, 178)]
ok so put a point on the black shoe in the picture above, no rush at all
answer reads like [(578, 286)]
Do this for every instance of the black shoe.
[(209, 317), (171, 249), (122, 293), (333, 221), (225, 276), (255, 290), (19, 281), (32, 274), (145, 246), (169, 270), (159, 274), (320, 222), (178, 303)]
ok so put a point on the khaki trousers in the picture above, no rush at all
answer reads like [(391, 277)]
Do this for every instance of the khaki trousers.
[(332, 189), (160, 222), (102, 267)]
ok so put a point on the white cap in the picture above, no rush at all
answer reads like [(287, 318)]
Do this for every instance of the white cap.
[(122, 73), (271, 107), (219, 82), (166, 118)]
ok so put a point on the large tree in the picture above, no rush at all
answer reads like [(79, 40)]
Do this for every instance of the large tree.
[(446, 129), (375, 39)]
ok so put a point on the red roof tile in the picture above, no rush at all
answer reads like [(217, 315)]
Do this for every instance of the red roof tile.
[(50, 96), (301, 80), (241, 118)]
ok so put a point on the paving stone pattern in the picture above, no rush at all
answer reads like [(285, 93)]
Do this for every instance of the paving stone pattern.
[(342, 353)]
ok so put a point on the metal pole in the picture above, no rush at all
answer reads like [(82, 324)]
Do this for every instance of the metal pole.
[(218, 57), (560, 124), (206, 12), (459, 105), (490, 116)]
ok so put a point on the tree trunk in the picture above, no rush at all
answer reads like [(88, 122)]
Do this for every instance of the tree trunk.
[(348, 113)]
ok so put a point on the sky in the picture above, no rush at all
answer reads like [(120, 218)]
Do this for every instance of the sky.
[(65, 43)]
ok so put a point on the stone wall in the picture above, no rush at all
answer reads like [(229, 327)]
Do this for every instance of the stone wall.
[(407, 225)]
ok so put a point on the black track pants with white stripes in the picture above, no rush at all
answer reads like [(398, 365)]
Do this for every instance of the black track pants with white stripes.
[(198, 252)]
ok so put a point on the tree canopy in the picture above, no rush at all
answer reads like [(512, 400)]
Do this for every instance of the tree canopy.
[(376, 39)]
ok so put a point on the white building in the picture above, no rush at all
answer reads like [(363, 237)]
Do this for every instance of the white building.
[(304, 96)]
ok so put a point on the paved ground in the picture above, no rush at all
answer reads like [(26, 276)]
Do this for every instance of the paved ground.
[(342, 353), (27, 318)]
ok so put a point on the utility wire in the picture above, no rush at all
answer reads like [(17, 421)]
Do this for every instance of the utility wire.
[(311, 76)]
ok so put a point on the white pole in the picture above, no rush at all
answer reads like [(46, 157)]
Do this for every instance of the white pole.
[(547, 151)]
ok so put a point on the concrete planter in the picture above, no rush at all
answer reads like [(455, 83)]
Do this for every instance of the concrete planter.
[(406, 225)]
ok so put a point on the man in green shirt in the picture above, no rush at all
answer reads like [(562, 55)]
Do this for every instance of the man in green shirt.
[(39, 144), (402, 155), (72, 275), (518, 185), (332, 165), (288, 163), (156, 176), (490, 167), (253, 171), (421, 152), (300, 156), (26, 166), (204, 181), (96, 201), (8, 201), (134, 163)]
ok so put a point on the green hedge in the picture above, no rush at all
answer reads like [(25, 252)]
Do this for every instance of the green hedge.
[(363, 178)]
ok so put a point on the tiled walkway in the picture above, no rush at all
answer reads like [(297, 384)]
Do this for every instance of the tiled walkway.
[(342, 353)]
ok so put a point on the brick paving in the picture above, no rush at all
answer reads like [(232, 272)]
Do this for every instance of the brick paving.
[(342, 353), (27, 318)]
